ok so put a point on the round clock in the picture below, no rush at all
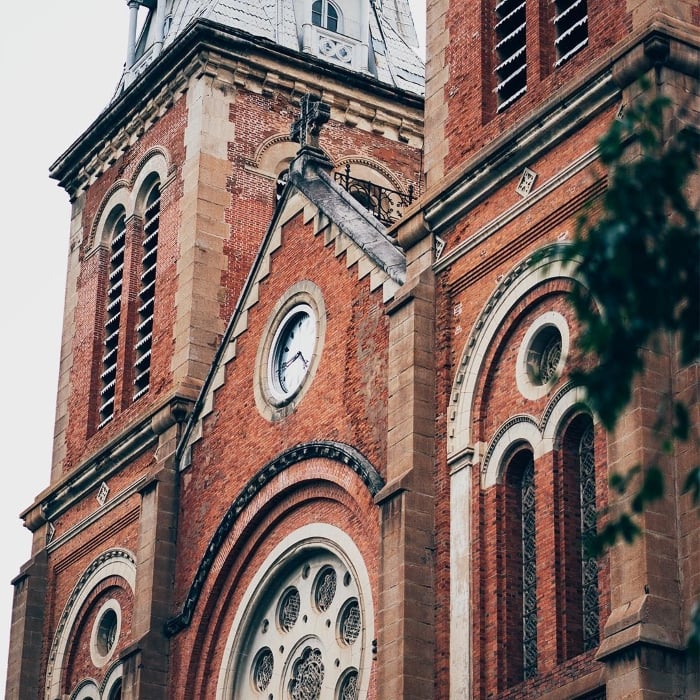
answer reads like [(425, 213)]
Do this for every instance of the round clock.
[(291, 352)]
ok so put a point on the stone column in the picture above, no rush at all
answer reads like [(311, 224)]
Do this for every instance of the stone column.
[(406, 626), (642, 641), (146, 661), (28, 606)]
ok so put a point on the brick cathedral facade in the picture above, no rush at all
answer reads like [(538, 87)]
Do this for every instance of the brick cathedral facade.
[(315, 434)]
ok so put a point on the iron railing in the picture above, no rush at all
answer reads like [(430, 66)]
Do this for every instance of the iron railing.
[(387, 205)]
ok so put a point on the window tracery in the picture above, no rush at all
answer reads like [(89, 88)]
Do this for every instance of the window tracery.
[(589, 563), (305, 638)]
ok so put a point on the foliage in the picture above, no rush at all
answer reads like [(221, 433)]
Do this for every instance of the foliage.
[(638, 260)]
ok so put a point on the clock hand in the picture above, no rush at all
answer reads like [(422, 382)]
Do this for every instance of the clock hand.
[(289, 362)]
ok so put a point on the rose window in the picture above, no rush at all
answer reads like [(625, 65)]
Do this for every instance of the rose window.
[(325, 588), (348, 686), (306, 636), (307, 679), (350, 623)]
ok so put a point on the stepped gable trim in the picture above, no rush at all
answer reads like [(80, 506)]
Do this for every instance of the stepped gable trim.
[(353, 220), (368, 247), (326, 449)]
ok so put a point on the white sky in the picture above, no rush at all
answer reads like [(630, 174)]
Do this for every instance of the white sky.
[(61, 62)]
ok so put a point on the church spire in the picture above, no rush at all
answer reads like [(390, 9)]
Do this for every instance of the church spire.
[(350, 34)]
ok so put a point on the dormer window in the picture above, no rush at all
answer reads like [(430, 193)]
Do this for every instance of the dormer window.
[(324, 14)]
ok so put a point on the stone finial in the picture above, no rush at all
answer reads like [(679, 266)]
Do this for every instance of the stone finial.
[(314, 114)]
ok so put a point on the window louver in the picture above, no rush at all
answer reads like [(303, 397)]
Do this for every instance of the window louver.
[(571, 23), (146, 298), (511, 71), (108, 374)]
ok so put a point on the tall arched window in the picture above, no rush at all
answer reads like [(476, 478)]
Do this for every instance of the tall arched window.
[(521, 569), (577, 568), (113, 301), (324, 14), (147, 293)]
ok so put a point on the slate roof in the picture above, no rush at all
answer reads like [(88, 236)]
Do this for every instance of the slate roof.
[(393, 58), (356, 222)]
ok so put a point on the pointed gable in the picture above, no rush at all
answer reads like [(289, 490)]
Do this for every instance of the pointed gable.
[(313, 198)]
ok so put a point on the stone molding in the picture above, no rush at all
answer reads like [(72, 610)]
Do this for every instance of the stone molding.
[(342, 244), (110, 459), (523, 277), (663, 42), (315, 536), (231, 61), (113, 562), (335, 451)]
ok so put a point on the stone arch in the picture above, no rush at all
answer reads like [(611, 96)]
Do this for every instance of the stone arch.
[(113, 562), (524, 277), (116, 200), (347, 456), (152, 168), (515, 431), (568, 400), (370, 169), (316, 537), (86, 690), (112, 681), (274, 154)]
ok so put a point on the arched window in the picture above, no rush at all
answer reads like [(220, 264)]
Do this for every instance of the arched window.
[(324, 14), (305, 625), (113, 304), (282, 178), (115, 692), (520, 569), (578, 569), (147, 293)]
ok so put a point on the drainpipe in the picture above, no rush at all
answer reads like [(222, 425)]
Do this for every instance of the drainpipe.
[(131, 46), (160, 24)]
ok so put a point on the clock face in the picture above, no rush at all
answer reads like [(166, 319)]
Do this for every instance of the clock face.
[(292, 350)]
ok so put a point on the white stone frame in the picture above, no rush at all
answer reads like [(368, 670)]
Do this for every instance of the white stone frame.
[(463, 454), (117, 562), (112, 679), (526, 386), (129, 196), (525, 429), (98, 659), (88, 691), (269, 405), (311, 537)]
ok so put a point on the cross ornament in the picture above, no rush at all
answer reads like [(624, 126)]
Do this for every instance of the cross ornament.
[(314, 114)]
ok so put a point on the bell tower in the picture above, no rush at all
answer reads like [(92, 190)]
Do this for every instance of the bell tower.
[(172, 189)]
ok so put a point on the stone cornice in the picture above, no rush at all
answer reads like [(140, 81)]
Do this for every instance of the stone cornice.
[(232, 59), (63, 495)]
